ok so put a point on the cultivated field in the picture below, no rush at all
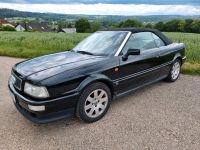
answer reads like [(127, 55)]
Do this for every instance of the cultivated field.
[(32, 44), (192, 42)]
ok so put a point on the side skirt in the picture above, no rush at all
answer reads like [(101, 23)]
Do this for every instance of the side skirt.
[(141, 86)]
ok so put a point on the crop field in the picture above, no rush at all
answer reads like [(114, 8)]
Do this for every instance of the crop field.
[(33, 44), (192, 42)]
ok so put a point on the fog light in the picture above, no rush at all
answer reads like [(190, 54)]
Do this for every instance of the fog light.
[(36, 108)]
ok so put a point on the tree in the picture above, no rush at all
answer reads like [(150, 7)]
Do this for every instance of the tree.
[(188, 25), (82, 25), (130, 23), (69, 25), (121, 24), (160, 26), (175, 25), (62, 24), (95, 26), (149, 25), (181, 25), (195, 26)]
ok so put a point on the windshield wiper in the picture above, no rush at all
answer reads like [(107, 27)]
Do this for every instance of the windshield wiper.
[(85, 52)]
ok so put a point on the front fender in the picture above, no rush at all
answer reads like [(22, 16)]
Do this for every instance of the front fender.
[(94, 78)]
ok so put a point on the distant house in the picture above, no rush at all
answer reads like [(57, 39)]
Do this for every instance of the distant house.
[(4, 22), (68, 30), (19, 27), (42, 27)]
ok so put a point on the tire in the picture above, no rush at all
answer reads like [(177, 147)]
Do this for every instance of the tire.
[(174, 71), (94, 102)]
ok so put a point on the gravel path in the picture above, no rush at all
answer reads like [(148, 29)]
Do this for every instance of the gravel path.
[(161, 116)]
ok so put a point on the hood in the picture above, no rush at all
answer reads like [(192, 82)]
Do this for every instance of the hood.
[(55, 63)]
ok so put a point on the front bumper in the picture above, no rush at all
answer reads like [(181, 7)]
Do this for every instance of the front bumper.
[(55, 109)]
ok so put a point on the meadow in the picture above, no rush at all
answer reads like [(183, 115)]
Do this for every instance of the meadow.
[(33, 44), (192, 43)]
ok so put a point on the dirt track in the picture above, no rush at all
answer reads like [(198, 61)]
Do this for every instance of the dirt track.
[(160, 116)]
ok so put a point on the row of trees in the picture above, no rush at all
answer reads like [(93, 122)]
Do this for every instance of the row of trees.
[(179, 25), (84, 26), (175, 25)]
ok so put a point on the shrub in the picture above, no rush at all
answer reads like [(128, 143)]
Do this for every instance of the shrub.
[(8, 28)]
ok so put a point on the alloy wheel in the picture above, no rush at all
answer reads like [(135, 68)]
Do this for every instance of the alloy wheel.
[(175, 70), (96, 103)]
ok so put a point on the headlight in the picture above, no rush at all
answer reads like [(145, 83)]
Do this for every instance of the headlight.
[(12, 80), (35, 91)]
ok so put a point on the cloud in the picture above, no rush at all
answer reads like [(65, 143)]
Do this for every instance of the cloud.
[(107, 9), (157, 2)]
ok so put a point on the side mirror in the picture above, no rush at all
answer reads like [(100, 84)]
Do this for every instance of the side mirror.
[(130, 52)]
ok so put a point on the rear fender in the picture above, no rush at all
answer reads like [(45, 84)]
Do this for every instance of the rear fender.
[(177, 56), (180, 57), (180, 53)]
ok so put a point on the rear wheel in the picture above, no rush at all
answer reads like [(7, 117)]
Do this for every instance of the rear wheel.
[(94, 102), (175, 71)]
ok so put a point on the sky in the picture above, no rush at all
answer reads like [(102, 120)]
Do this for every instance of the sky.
[(107, 7)]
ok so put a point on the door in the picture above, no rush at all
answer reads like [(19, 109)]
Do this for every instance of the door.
[(138, 69), (165, 55)]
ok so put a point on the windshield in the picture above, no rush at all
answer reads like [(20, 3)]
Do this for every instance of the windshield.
[(101, 43)]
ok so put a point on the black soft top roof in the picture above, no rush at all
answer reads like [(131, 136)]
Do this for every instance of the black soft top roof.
[(136, 30)]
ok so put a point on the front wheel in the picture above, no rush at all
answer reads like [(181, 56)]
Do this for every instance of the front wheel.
[(175, 71), (94, 102)]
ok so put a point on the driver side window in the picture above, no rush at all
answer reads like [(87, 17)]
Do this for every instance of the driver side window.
[(141, 40)]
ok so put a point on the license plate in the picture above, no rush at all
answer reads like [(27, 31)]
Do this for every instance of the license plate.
[(13, 97)]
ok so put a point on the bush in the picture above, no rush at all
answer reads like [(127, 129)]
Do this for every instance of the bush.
[(1, 28), (7, 28)]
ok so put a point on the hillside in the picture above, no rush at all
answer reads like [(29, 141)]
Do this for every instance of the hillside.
[(9, 13)]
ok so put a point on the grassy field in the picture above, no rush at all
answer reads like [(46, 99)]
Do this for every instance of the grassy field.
[(32, 44), (192, 42)]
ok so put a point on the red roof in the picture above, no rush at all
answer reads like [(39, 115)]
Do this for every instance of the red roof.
[(3, 21)]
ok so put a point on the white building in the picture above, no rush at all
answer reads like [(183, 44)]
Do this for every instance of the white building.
[(68, 30), (19, 28)]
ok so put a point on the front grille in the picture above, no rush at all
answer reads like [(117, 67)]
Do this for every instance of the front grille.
[(18, 82)]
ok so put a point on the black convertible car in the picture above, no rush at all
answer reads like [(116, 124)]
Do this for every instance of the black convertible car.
[(83, 81)]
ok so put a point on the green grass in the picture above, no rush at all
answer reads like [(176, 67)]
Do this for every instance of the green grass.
[(192, 43), (33, 44), (193, 69)]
